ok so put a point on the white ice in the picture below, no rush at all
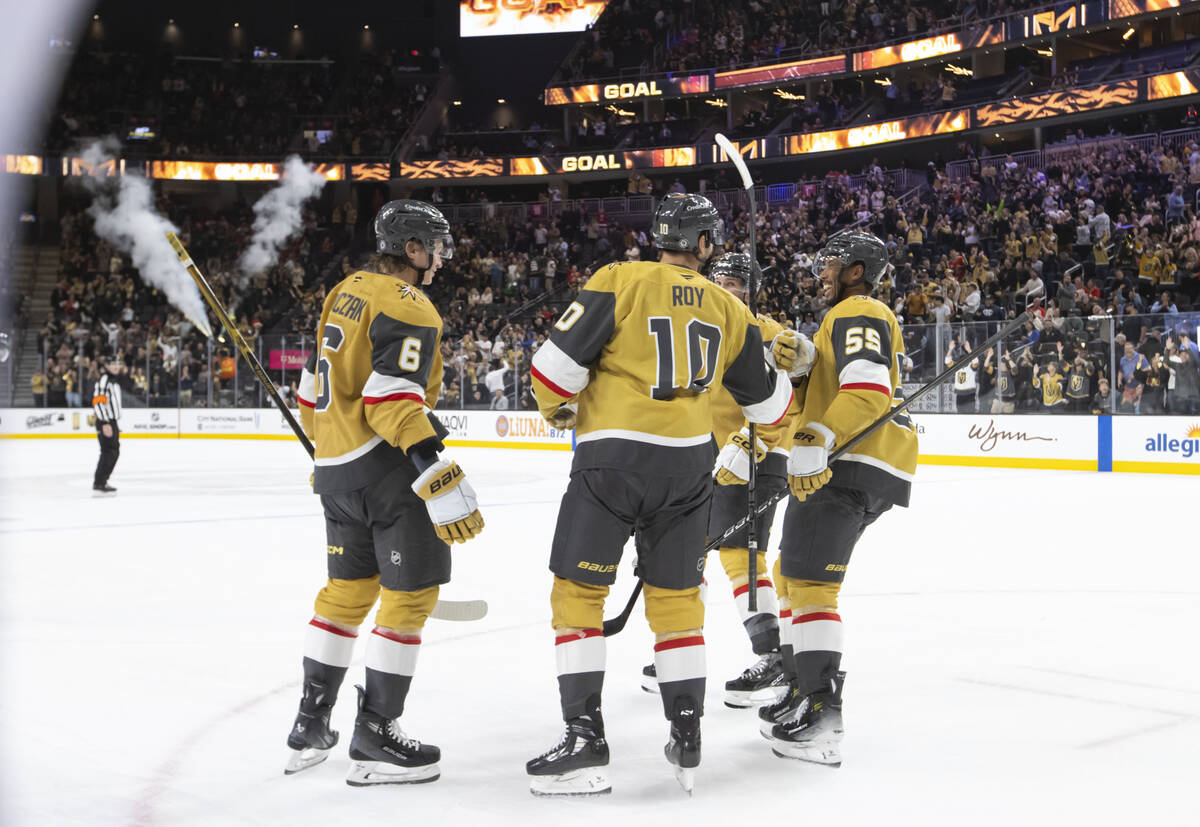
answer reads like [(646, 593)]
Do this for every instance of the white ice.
[(1017, 653)]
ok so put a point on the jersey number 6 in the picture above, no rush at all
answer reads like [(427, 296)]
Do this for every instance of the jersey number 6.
[(334, 336)]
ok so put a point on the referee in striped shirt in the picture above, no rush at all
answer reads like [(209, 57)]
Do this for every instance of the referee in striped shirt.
[(106, 403)]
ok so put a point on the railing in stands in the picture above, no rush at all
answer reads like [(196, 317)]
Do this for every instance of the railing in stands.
[(1039, 159), (639, 206)]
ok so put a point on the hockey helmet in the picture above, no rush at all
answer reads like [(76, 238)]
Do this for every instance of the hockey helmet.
[(732, 265), (402, 221), (680, 220), (852, 247)]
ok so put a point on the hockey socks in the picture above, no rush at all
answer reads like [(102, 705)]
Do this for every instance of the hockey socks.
[(579, 657), (328, 650), (679, 664), (817, 641), (762, 626), (391, 662)]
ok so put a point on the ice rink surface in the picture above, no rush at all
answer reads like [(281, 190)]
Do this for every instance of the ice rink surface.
[(1017, 649)]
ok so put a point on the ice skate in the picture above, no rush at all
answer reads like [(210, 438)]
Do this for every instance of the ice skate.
[(382, 754), (105, 490), (762, 684), (683, 746), (311, 739), (650, 680), (814, 731), (577, 765)]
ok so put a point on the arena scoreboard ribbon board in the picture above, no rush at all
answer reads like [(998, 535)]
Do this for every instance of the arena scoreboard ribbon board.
[(492, 18)]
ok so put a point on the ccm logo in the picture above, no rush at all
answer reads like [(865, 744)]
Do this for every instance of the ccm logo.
[(445, 479)]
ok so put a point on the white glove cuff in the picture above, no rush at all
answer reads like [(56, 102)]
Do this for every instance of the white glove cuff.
[(830, 439)]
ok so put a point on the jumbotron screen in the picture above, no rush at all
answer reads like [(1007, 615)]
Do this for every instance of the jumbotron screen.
[(489, 18)]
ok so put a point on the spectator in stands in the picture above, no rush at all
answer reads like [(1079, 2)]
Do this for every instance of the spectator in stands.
[(1183, 397), (37, 384), (1132, 377), (1102, 401)]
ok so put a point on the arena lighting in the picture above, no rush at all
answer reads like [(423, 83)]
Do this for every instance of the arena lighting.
[(500, 100), (95, 17), (459, 103), (1129, 33), (788, 96), (366, 27), (716, 102), (884, 81), (237, 25), (295, 26)]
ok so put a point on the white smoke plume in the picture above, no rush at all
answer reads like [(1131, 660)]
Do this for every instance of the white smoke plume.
[(277, 214), (124, 214)]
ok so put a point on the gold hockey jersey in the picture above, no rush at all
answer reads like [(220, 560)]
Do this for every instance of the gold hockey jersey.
[(855, 381), (368, 387), (641, 349), (727, 416)]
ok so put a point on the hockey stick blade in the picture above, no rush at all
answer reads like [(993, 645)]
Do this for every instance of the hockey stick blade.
[(460, 610), (736, 159)]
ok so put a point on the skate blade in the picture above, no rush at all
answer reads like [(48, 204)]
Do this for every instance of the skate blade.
[(371, 773), (588, 781), (650, 685), (825, 753), (302, 759), (104, 493), (686, 779), (735, 699)]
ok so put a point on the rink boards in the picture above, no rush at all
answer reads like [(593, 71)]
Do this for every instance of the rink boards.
[(1146, 444)]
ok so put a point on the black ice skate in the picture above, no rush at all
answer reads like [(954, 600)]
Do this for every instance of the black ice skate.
[(105, 490), (814, 731), (683, 747), (787, 707), (381, 753), (311, 739), (762, 684), (577, 764), (650, 680)]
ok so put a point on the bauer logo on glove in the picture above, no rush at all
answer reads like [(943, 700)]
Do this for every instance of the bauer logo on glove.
[(450, 501)]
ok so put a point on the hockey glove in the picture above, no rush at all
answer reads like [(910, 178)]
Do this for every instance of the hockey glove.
[(793, 353), (808, 462), (450, 500), (733, 463), (564, 418)]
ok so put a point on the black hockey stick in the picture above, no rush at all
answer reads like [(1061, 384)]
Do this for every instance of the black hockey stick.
[(614, 625), (739, 163), (445, 609)]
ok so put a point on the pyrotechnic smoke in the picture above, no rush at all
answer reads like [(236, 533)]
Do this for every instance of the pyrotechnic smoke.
[(277, 214), (124, 213)]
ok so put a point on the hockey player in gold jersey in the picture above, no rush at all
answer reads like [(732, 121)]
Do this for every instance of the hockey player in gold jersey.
[(633, 364), (392, 504), (764, 681), (854, 381)]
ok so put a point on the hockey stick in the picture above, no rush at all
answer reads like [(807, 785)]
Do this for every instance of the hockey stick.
[(739, 163), (614, 625), (445, 609)]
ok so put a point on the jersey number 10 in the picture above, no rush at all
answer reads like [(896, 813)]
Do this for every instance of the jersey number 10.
[(703, 351)]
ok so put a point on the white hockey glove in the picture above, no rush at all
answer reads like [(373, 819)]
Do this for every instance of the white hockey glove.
[(450, 500), (808, 463), (793, 353), (733, 463), (564, 418)]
